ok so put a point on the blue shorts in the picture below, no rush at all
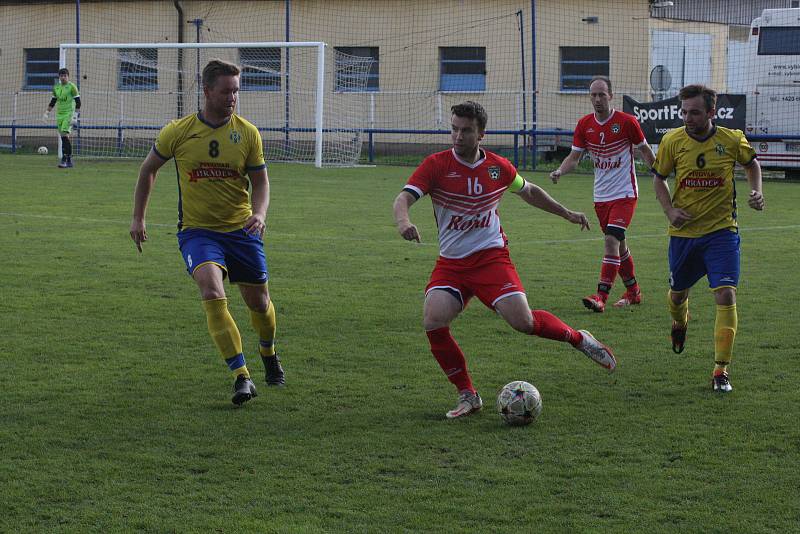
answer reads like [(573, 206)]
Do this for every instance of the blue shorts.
[(239, 254), (715, 255)]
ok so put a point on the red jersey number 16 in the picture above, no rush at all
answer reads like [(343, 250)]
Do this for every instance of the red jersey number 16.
[(474, 187)]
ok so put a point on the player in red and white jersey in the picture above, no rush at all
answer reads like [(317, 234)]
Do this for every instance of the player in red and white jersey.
[(465, 184), (465, 197), (610, 137)]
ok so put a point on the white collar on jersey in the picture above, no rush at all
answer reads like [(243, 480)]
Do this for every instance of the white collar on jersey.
[(470, 165), (608, 119)]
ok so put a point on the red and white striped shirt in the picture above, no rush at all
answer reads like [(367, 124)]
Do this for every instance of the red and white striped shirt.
[(465, 198), (611, 144)]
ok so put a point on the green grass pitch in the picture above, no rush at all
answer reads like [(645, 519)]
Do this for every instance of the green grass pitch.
[(116, 413)]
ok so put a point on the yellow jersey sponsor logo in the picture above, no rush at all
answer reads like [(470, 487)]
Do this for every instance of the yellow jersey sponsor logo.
[(213, 171), (697, 179)]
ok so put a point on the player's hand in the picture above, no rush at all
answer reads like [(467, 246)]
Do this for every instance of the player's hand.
[(555, 175), (578, 218), (756, 200), (138, 233), (75, 117), (408, 231), (677, 217), (46, 115), (255, 225)]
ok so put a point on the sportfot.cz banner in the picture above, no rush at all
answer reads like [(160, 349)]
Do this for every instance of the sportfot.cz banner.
[(656, 118)]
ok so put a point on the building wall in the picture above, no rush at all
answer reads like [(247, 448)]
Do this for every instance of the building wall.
[(408, 33), (621, 26), (719, 44)]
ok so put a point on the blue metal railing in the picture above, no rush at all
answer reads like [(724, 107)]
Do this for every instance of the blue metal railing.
[(120, 128)]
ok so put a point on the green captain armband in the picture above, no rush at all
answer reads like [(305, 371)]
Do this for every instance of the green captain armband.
[(517, 185)]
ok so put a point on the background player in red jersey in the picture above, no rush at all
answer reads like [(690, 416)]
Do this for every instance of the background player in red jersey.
[(610, 136), (465, 184)]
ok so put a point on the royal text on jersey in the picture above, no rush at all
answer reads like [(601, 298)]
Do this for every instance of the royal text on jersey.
[(465, 224)]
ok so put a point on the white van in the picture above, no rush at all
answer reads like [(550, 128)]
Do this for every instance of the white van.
[(771, 81)]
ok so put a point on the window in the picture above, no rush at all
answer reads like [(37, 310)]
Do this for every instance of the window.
[(261, 69), (462, 68), (779, 41), (138, 69), (41, 68), (351, 72), (579, 64)]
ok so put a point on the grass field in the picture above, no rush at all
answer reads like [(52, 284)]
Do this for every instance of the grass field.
[(116, 413)]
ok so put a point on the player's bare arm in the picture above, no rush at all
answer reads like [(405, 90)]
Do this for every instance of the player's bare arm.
[(756, 198), (538, 197), (567, 166), (646, 153), (401, 206), (676, 216), (141, 196), (256, 223)]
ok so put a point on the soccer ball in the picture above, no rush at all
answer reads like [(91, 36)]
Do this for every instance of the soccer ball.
[(519, 403), (42, 150)]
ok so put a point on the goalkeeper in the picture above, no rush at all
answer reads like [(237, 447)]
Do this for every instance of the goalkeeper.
[(67, 102)]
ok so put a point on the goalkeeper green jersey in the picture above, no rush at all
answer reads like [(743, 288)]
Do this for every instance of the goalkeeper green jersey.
[(65, 94), (212, 163)]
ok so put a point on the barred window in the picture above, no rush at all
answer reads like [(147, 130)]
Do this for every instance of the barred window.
[(41, 68), (462, 68), (579, 64), (261, 69), (138, 69), (350, 75)]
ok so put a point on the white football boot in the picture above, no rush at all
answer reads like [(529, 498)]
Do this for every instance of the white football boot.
[(468, 404), (599, 353)]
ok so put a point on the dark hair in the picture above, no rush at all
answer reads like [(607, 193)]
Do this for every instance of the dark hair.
[(471, 110), (605, 79), (63, 71), (217, 68), (708, 94)]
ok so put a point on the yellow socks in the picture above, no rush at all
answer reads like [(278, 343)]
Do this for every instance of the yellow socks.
[(679, 312), (265, 325), (225, 334), (724, 335)]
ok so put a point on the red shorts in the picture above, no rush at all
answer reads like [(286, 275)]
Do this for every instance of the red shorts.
[(617, 213), (489, 275)]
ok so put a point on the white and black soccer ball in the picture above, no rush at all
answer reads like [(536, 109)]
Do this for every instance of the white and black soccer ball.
[(42, 150), (519, 403)]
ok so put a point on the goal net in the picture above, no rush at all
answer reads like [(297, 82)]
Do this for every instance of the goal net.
[(393, 69), (303, 114)]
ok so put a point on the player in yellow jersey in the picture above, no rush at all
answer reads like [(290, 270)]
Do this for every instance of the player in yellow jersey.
[(221, 217), (67, 102), (704, 236)]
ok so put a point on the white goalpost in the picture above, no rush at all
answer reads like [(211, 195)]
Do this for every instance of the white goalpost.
[(130, 90)]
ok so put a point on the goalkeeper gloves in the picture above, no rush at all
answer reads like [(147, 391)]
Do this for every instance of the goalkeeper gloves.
[(46, 115), (75, 116)]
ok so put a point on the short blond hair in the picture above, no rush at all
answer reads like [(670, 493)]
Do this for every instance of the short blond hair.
[(217, 68)]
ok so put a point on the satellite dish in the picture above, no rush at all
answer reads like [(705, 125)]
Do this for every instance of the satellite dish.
[(660, 78)]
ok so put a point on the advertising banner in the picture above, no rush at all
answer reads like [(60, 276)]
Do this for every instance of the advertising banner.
[(656, 118)]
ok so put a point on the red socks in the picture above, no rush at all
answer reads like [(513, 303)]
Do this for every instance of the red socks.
[(608, 272), (450, 358), (627, 272), (547, 325)]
